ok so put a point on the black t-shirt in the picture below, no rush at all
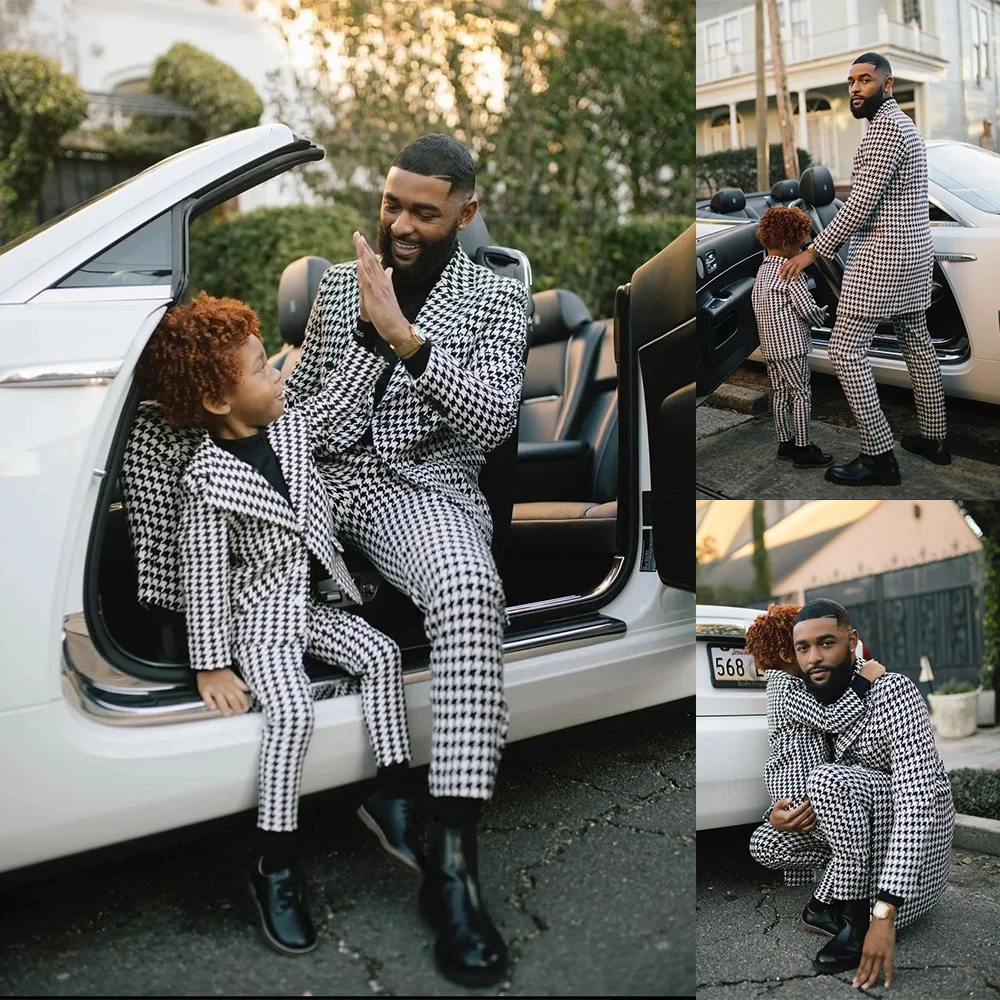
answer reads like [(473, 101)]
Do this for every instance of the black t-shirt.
[(257, 452)]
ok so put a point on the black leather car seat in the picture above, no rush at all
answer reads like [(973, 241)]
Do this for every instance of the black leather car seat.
[(821, 202), (786, 194), (732, 203)]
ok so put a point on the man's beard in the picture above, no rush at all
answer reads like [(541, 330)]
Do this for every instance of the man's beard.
[(836, 685), (869, 106), (429, 263)]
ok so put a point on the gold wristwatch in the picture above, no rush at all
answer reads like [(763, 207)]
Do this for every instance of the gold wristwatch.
[(883, 911), (812, 249), (410, 347)]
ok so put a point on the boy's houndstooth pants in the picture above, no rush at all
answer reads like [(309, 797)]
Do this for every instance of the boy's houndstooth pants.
[(849, 344), (280, 688), (792, 399), (436, 553), (854, 821)]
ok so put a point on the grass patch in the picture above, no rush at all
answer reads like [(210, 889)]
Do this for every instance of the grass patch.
[(976, 791)]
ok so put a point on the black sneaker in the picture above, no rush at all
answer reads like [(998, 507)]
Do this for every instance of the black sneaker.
[(867, 470), (811, 457), (786, 449), (843, 951), (391, 820), (822, 918), (280, 898)]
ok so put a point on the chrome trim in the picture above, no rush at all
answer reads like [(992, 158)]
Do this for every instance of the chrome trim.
[(955, 258), (962, 221), (59, 375), (562, 602)]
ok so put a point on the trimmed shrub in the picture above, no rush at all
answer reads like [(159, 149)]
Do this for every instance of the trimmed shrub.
[(242, 256), (976, 792), (955, 687), (39, 103), (738, 168)]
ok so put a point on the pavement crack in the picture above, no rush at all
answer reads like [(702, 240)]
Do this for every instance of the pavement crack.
[(991, 986), (765, 897), (373, 966)]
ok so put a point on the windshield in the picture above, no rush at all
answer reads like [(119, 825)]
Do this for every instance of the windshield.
[(969, 173)]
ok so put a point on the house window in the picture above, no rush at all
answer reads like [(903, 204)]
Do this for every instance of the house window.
[(800, 18), (720, 133), (713, 41), (734, 45), (979, 32), (911, 12)]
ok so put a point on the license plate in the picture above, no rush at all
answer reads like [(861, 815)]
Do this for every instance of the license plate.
[(733, 668)]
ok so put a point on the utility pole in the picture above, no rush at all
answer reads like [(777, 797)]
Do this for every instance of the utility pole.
[(763, 150), (780, 86)]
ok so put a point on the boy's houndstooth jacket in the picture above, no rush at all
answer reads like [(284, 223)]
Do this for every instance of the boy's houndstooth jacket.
[(158, 455), (432, 431), (891, 259), (895, 736), (785, 312)]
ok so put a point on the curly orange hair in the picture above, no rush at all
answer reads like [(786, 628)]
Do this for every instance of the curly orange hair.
[(771, 634), (783, 227), (192, 353)]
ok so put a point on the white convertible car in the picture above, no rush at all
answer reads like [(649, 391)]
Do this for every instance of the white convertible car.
[(102, 736), (964, 209)]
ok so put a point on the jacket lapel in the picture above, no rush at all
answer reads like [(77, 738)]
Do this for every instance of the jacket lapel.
[(290, 443), (849, 737)]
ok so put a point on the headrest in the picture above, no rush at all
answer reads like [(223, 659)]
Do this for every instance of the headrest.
[(728, 200), (474, 236), (558, 315), (785, 191), (296, 292), (816, 186)]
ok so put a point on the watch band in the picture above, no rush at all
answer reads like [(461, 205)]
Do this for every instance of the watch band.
[(410, 347)]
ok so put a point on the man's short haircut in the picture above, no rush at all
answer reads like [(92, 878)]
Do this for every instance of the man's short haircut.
[(441, 156), (878, 60), (823, 608)]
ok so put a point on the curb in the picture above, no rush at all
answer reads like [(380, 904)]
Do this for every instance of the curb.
[(738, 398), (973, 833)]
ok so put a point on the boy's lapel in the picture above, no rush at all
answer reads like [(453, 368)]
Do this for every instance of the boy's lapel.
[(290, 442)]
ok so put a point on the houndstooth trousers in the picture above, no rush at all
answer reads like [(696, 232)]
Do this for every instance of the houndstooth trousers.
[(854, 821), (437, 553), (280, 688), (849, 344), (792, 399)]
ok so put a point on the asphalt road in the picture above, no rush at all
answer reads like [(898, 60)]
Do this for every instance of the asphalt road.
[(751, 943), (587, 863), (735, 453)]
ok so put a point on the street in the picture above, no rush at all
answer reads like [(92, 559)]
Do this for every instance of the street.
[(751, 942), (736, 450), (587, 861)]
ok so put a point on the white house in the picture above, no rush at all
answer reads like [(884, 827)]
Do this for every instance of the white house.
[(943, 55)]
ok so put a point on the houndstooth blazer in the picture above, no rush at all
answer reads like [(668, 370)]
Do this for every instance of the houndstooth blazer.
[(157, 455), (895, 737), (433, 431), (891, 257), (797, 724), (785, 312)]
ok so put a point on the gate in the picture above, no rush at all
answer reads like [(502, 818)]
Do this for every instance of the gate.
[(934, 610)]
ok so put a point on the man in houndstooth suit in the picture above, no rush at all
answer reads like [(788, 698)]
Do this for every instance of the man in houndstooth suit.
[(449, 338), (888, 276), (880, 816)]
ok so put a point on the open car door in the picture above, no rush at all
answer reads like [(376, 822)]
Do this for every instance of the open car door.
[(659, 304)]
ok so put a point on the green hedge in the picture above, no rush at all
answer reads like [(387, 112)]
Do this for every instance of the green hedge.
[(39, 103), (243, 255), (976, 792), (738, 168)]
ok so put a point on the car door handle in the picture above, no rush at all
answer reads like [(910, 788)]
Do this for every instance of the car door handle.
[(59, 375), (955, 258)]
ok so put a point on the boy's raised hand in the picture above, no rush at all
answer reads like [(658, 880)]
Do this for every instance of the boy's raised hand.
[(223, 690)]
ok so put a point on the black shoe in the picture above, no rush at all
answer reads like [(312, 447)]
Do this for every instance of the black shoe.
[(391, 820), (843, 951), (468, 948), (811, 457), (937, 451), (280, 898), (786, 449), (822, 918), (867, 470)]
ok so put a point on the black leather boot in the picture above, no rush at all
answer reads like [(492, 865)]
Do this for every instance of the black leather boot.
[(786, 449), (391, 820), (280, 898), (468, 948), (843, 951), (867, 470), (811, 457), (822, 918), (937, 451)]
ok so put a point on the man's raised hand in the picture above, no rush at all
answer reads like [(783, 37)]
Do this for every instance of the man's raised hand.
[(377, 296)]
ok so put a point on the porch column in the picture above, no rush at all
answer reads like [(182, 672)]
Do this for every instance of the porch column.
[(852, 24), (803, 127), (734, 130)]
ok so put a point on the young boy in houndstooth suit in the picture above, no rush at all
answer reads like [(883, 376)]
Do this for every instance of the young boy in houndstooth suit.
[(254, 539), (784, 313)]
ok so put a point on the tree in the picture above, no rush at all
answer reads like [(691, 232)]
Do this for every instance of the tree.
[(761, 561), (986, 514)]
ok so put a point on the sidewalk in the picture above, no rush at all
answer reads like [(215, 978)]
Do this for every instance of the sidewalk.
[(980, 750)]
